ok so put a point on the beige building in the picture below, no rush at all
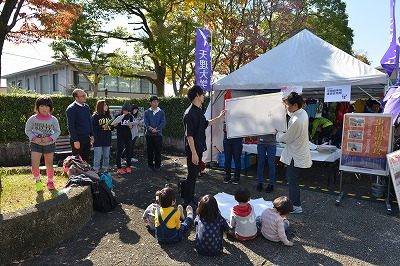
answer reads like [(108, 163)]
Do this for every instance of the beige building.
[(55, 78)]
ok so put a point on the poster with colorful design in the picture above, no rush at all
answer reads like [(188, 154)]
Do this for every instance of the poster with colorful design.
[(366, 140), (394, 166)]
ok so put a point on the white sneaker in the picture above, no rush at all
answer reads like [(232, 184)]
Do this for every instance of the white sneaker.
[(297, 210), (134, 160)]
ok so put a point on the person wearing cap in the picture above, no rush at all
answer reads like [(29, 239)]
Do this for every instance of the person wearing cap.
[(80, 125), (124, 137), (154, 120)]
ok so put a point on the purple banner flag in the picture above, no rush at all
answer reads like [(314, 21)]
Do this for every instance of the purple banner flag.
[(388, 61), (203, 59)]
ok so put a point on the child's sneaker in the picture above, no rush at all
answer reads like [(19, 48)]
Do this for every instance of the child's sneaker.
[(121, 171), (50, 185), (189, 211), (134, 160), (128, 170), (180, 208), (39, 185)]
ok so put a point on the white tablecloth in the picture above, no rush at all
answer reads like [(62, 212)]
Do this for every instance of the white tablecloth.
[(315, 155)]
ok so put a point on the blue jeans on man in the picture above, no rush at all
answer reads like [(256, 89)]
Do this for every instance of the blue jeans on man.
[(292, 176), (233, 147), (266, 151)]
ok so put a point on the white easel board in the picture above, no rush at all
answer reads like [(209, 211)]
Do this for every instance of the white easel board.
[(255, 115), (394, 166)]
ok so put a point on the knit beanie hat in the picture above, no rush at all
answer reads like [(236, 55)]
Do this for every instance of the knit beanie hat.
[(126, 106)]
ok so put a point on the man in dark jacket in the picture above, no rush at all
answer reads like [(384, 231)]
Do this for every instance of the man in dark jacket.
[(79, 125)]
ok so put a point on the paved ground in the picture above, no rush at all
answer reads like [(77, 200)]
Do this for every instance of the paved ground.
[(358, 232)]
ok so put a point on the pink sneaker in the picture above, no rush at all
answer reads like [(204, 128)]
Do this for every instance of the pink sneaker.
[(50, 185), (128, 170)]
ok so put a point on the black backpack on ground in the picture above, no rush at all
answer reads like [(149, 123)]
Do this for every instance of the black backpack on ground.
[(103, 201)]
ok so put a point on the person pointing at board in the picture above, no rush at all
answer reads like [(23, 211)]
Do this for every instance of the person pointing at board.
[(195, 124), (296, 154)]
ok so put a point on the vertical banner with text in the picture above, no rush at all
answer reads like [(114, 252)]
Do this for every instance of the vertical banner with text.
[(203, 59), (366, 140), (388, 61)]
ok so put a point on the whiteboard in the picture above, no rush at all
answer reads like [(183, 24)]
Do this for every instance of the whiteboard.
[(255, 115)]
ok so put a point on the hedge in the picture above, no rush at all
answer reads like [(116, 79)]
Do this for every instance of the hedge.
[(15, 109)]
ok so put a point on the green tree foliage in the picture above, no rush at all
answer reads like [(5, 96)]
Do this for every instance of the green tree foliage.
[(243, 30), (165, 30), (328, 19), (82, 49), (28, 21)]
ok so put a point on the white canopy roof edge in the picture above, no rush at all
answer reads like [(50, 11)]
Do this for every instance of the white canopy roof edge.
[(303, 60)]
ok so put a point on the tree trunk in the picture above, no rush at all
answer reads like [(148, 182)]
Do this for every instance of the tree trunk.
[(160, 80)]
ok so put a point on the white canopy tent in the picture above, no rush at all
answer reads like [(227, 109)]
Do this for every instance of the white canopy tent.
[(303, 60)]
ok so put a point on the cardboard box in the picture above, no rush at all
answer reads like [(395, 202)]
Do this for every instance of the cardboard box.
[(245, 160)]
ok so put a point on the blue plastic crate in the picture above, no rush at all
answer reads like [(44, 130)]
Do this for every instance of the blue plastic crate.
[(245, 160)]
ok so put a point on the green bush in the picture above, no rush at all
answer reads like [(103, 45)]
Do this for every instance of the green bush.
[(15, 109)]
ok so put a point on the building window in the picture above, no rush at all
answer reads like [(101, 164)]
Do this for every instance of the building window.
[(19, 84), (27, 85), (80, 81), (55, 82), (146, 86), (111, 83), (44, 84)]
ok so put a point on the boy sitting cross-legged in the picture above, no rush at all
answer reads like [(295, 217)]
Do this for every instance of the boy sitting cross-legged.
[(243, 218), (169, 228)]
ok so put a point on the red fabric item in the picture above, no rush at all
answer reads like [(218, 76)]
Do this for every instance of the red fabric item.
[(242, 210), (227, 95)]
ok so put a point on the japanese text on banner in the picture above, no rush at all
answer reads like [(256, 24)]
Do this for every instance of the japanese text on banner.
[(203, 60)]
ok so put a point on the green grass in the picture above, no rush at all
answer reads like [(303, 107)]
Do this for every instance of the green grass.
[(19, 190)]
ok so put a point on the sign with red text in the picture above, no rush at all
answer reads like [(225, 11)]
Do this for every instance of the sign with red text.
[(366, 141), (394, 166)]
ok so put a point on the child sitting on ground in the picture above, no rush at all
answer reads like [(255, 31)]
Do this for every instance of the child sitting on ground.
[(209, 227), (150, 212), (243, 218), (169, 228), (274, 222)]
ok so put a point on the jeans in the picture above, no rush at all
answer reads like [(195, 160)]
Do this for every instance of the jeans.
[(234, 149), (154, 145), (124, 143), (98, 152), (292, 176), (266, 151)]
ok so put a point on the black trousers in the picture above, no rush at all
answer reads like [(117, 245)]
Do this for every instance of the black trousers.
[(154, 146), (84, 151), (124, 144), (193, 173)]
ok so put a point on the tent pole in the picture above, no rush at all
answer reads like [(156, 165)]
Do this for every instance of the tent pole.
[(372, 97)]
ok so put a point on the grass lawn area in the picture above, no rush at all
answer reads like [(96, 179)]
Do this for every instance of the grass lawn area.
[(19, 190)]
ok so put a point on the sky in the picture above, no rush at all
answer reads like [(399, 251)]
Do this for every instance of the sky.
[(369, 20)]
